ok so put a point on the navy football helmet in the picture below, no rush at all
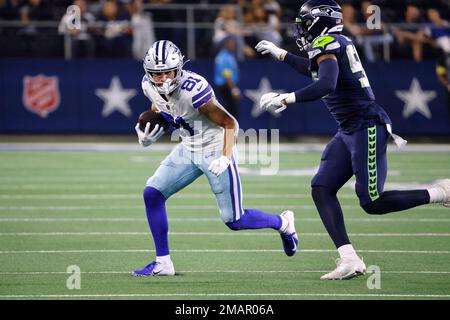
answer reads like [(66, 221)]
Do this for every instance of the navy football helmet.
[(315, 18)]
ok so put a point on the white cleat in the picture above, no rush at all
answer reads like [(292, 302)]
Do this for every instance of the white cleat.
[(444, 186), (346, 269), (155, 269), (289, 236)]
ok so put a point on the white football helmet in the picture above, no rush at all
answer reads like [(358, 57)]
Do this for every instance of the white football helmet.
[(164, 56)]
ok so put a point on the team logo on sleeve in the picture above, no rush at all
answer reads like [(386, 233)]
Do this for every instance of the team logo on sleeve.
[(41, 94)]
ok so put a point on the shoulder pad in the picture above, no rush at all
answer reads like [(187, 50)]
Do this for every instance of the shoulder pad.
[(323, 44)]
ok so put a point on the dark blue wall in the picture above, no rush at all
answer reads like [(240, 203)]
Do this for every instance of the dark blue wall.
[(80, 109)]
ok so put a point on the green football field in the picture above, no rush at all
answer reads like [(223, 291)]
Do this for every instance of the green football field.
[(85, 209)]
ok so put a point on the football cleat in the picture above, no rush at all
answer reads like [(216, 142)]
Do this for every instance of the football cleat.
[(346, 269), (444, 186), (155, 269), (289, 235)]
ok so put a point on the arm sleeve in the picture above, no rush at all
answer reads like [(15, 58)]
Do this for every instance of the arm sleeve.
[(298, 63), (328, 73)]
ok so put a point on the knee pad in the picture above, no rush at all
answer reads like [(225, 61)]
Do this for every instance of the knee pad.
[(153, 196)]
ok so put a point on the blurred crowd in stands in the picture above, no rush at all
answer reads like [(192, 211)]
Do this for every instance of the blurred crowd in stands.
[(125, 28)]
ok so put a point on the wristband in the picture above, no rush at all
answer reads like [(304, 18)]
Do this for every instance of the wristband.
[(290, 98)]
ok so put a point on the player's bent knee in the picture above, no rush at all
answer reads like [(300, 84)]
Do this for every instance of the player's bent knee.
[(315, 191), (153, 196), (373, 207), (320, 192)]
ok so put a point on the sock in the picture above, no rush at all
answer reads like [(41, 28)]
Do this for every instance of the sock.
[(331, 214), (347, 252), (256, 219), (163, 259), (437, 195), (155, 206)]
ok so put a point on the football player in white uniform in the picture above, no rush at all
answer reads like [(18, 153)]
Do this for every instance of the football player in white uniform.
[(208, 134)]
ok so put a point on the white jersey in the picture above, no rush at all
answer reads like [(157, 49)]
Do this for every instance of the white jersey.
[(197, 132)]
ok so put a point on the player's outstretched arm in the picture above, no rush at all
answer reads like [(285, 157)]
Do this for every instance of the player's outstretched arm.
[(215, 113), (327, 79), (298, 63)]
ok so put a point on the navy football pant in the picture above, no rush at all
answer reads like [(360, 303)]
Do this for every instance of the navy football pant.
[(363, 154)]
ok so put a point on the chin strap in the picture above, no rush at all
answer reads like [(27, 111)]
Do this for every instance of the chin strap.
[(166, 86)]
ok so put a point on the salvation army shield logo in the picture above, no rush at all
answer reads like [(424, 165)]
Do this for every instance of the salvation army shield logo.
[(41, 94)]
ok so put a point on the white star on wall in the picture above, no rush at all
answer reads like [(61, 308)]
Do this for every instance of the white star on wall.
[(116, 98), (416, 100), (255, 95)]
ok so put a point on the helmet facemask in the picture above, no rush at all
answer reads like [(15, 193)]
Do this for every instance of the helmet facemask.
[(167, 86), (303, 37)]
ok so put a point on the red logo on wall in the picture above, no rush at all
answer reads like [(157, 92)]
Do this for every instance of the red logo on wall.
[(41, 94)]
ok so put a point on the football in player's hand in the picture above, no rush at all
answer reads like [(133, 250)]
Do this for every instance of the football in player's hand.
[(154, 118)]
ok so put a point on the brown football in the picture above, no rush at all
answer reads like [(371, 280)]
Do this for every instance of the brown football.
[(154, 118)]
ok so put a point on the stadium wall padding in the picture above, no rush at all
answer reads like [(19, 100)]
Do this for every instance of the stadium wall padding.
[(57, 96)]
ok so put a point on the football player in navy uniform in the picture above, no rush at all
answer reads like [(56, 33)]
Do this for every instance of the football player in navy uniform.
[(359, 146)]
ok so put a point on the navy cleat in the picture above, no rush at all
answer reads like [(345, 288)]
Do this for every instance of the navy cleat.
[(288, 234), (155, 269)]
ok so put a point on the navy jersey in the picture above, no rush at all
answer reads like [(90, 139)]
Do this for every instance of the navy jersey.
[(352, 104)]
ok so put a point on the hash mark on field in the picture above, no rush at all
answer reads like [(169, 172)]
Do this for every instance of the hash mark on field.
[(214, 251)]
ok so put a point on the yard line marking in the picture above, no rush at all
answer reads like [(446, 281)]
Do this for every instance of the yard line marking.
[(217, 271), (173, 207), (139, 196), (199, 219), (259, 294), (214, 251), (227, 234)]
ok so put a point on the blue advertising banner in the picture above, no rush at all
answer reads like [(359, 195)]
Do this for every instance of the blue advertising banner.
[(105, 96)]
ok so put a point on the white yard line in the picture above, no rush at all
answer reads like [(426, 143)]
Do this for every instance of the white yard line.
[(214, 251), (174, 207), (222, 271), (139, 196), (199, 219), (257, 294), (221, 234)]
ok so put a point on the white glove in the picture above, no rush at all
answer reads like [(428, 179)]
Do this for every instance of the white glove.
[(145, 138), (265, 47), (273, 100), (219, 165)]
